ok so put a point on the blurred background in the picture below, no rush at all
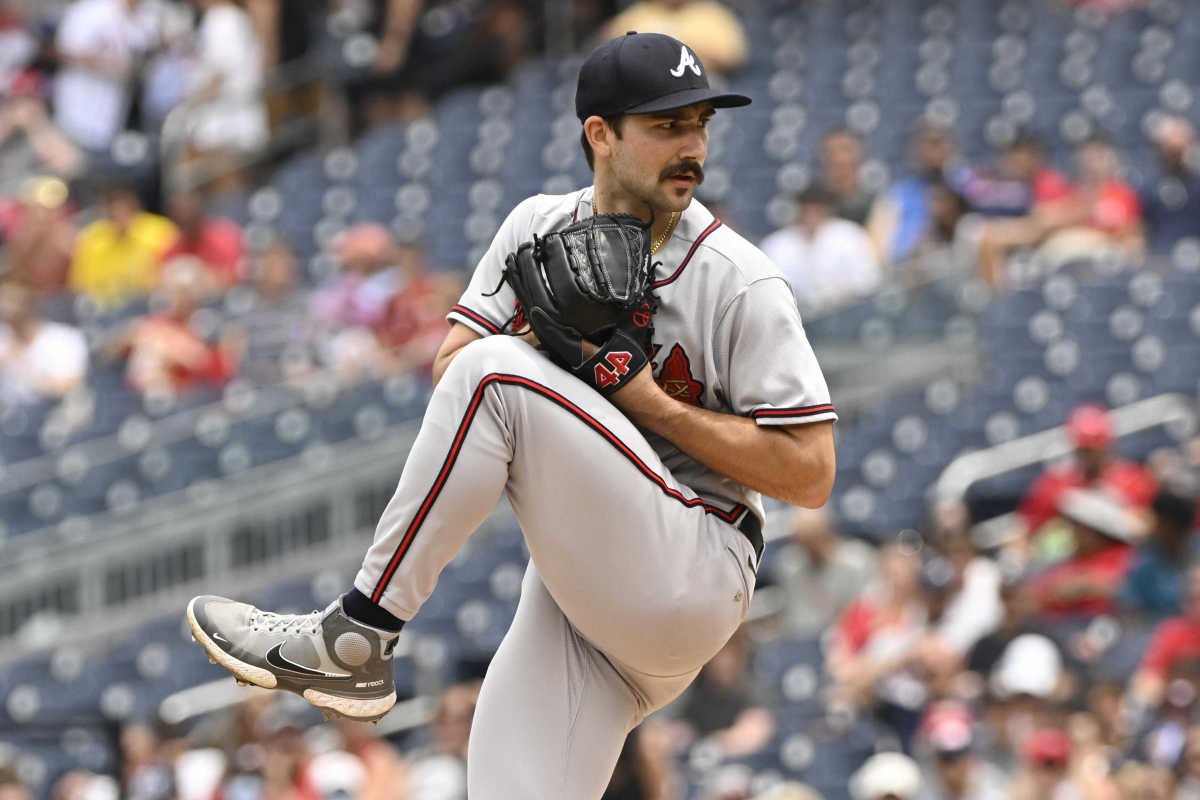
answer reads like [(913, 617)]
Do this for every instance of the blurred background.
[(230, 233)]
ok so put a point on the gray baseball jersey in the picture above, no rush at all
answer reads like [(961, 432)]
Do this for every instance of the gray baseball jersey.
[(639, 572), (727, 337)]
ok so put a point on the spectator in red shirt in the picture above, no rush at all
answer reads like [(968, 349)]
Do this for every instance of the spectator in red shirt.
[(1013, 199), (1094, 466), (1104, 214), (166, 355), (1101, 213), (216, 242), (876, 641), (1016, 185), (1087, 583), (1112, 205), (1175, 643), (414, 321)]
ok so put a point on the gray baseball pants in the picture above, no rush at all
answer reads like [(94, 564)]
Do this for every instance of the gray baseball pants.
[(634, 582)]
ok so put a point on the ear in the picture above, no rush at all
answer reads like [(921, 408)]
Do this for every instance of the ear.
[(599, 135)]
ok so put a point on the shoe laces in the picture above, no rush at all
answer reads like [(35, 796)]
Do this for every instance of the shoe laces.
[(286, 624)]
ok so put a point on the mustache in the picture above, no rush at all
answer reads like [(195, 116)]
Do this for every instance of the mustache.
[(684, 168)]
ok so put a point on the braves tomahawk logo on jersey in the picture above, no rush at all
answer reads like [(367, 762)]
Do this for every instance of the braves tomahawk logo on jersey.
[(676, 377)]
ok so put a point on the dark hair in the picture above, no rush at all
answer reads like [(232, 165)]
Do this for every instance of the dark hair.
[(1026, 140), (816, 194), (616, 121), (1097, 139), (840, 130), (923, 126), (1175, 505), (941, 185), (117, 189)]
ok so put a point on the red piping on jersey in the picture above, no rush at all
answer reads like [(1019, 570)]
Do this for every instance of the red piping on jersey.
[(475, 316), (460, 436), (712, 226), (798, 411)]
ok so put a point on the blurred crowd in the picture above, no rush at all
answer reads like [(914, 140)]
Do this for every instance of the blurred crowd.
[(1061, 663), (848, 239), (192, 306), (199, 88), (124, 122)]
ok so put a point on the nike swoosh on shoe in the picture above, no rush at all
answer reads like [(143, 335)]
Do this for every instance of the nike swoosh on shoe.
[(278, 660)]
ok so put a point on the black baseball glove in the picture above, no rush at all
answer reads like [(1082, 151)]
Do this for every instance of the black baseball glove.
[(590, 280)]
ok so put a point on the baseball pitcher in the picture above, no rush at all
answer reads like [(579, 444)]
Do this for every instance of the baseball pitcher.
[(633, 375)]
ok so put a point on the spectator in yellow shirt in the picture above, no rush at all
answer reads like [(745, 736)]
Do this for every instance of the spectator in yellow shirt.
[(709, 28), (116, 257)]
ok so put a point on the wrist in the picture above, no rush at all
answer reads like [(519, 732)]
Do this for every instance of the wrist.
[(645, 403)]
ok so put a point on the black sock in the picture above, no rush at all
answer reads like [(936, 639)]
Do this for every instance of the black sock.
[(359, 608)]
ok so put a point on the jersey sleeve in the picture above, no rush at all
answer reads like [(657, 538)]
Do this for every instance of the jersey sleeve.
[(770, 372), (488, 301)]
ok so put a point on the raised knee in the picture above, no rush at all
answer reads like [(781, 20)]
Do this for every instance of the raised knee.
[(492, 354)]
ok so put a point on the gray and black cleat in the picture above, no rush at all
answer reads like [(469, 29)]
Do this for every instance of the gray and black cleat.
[(339, 665)]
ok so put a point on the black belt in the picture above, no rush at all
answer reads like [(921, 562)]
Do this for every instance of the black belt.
[(751, 528)]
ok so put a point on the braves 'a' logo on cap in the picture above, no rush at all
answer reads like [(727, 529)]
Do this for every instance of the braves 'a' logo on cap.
[(686, 61)]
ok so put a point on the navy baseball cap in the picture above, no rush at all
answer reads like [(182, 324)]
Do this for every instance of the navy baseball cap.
[(640, 73)]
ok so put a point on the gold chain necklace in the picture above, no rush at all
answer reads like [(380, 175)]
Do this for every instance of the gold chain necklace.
[(662, 239), (654, 248)]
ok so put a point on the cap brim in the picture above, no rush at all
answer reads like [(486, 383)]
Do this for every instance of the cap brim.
[(690, 97)]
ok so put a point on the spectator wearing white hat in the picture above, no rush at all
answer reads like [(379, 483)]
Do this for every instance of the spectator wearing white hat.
[(337, 775), (1025, 688), (790, 791), (1031, 667), (1087, 583), (886, 776), (1094, 465)]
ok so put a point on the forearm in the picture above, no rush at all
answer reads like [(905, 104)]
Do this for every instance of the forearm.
[(1084, 587), (440, 362), (105, 64), (459, 337), (401, 20), (264, 16), (766, 459)]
